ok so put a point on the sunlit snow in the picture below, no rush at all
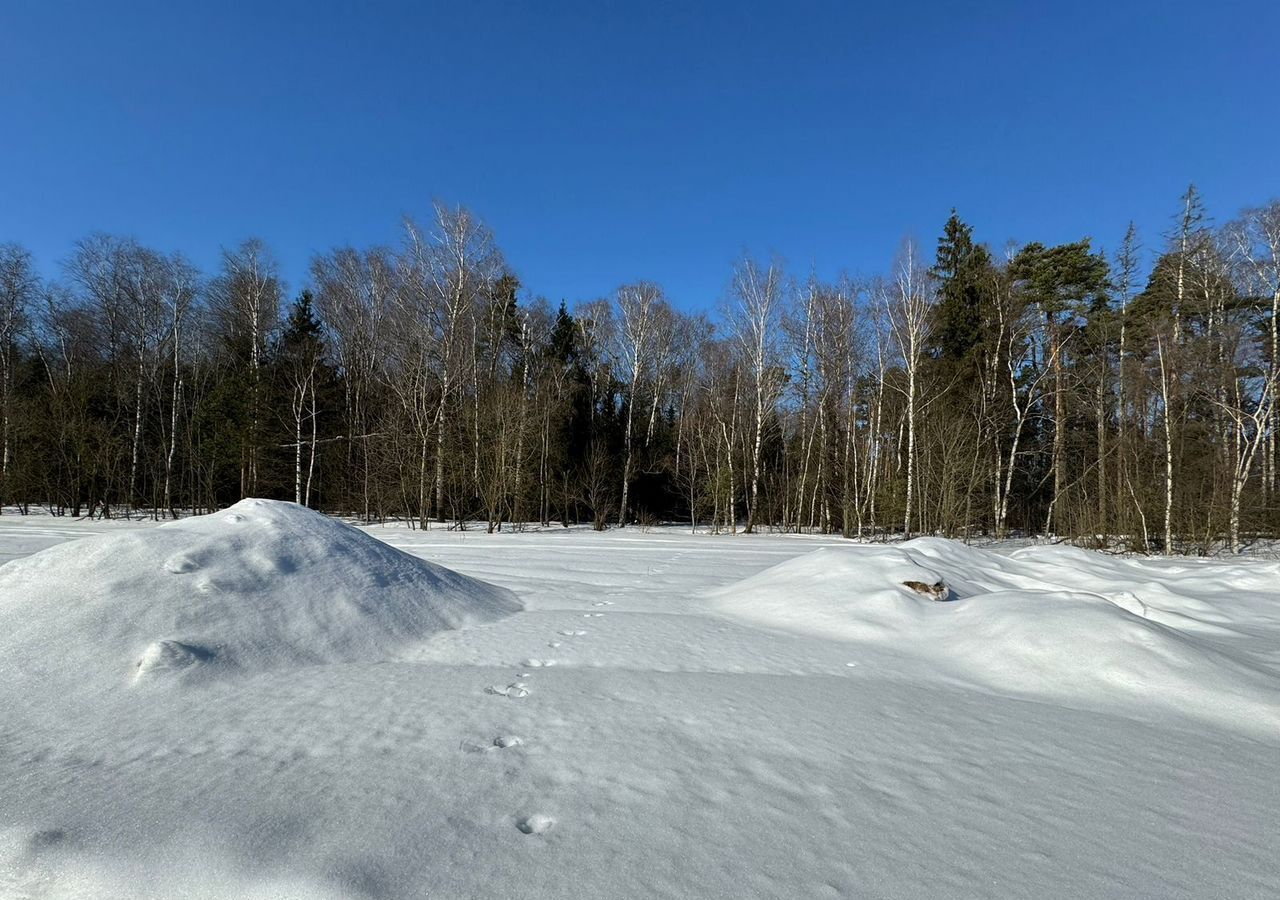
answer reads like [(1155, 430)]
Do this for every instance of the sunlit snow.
[(268, 703)]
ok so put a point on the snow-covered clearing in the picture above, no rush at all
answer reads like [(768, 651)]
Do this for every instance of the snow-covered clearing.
[(270, 706)]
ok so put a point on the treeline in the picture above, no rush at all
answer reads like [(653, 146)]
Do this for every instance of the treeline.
[(1044, 389)]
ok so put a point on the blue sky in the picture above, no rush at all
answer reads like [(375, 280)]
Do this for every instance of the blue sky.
[(605, 142)]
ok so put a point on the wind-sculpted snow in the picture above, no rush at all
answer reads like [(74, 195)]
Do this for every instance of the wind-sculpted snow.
[(261, 585), (1041, 621), (651, 725)]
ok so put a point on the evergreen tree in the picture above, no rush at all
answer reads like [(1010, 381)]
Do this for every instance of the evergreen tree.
[(963, 270)]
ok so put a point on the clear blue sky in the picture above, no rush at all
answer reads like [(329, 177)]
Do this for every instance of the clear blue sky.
[(612, 141)]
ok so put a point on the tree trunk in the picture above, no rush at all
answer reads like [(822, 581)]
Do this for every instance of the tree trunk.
[(1165, 397), (626, 442)]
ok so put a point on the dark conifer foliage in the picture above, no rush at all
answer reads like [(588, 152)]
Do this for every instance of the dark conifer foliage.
[(964, 274)]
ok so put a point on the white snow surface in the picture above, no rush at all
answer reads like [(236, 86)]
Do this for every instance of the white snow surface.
[(1055, 622), (339, 715), (260, 585)]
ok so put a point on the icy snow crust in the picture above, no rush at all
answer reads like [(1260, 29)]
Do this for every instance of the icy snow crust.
[(670, 715)]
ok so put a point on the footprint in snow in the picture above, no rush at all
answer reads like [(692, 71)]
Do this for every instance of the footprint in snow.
[(21, 877), (501, 742), (515, 690), (170, 658), (538, 823), (569, 632), (180, 564), (554, 645)]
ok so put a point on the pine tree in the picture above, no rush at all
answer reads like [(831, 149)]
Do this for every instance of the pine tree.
[(1065, 282)]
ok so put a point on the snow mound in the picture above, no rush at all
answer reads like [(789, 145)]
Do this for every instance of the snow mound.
[(261, 585), (1049, 622)]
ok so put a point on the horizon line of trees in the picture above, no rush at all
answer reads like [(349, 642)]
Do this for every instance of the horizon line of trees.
[(1040, 389)]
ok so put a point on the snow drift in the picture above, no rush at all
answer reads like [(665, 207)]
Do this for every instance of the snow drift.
[(1041, 621), (666, 747), (260, 585)]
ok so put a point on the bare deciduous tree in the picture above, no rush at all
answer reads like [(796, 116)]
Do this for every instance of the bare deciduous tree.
[(910, 306)]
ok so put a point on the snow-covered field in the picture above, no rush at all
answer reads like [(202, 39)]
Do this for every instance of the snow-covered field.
[(267, 703)]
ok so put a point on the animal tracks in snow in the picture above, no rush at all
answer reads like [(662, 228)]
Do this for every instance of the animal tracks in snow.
[(501, 742), (538, 823), (515, 690)]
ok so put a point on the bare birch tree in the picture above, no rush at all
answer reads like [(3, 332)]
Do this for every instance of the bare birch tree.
[(644, 319), (452, 267), (249, 292), (757, 297), (910, 307)]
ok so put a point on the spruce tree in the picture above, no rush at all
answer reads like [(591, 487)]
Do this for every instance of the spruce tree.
[(962, 269)]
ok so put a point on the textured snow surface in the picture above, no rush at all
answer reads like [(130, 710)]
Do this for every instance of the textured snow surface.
[(1052, 622), (259, 585), (670, 715)]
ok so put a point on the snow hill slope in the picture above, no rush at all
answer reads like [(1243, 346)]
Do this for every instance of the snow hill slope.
[(260, 585), (1056, 622)]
